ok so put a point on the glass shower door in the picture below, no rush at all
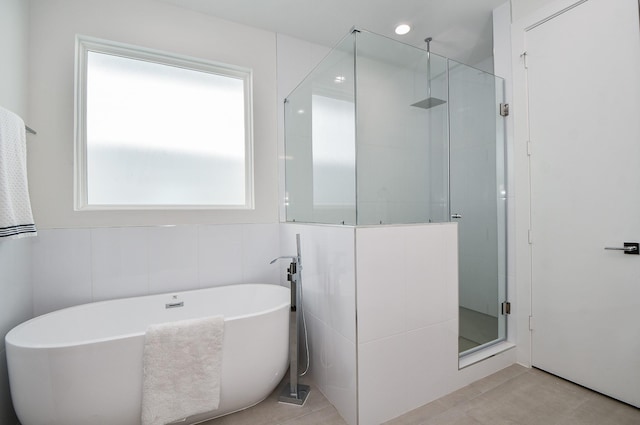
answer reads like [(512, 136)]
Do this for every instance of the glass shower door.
[(478, 203)]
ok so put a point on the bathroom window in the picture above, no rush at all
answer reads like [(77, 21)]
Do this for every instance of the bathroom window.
[(157, 131)]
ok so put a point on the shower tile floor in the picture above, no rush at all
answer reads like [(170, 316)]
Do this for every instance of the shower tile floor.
[(513, 396), (475, 329)]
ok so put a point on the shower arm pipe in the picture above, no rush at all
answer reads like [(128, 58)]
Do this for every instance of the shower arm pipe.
[(428, 40)]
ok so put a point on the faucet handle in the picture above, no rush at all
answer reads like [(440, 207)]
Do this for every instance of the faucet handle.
[(292, 269)]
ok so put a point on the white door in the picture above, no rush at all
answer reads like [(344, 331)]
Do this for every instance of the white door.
[(583, 76)]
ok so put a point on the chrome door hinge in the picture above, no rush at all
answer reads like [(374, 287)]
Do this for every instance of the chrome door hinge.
[(504, 109), (528, 147), (529, 237), (506, 307)]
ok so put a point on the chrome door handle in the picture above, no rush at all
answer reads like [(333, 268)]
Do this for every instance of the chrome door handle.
[(628, 248), (456, 215)]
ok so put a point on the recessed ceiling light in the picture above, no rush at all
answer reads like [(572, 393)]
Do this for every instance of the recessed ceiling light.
[(402, 29), (340, 79)]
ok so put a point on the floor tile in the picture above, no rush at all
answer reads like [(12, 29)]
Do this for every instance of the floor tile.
[(513, 396), (271, 412), (420, 415)]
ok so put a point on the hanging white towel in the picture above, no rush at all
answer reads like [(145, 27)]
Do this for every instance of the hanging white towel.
[(182, 366), (16, 219)]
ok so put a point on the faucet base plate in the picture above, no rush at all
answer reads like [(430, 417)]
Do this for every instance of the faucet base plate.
[(286, 395)]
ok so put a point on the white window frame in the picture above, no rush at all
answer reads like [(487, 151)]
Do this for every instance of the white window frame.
[(84, 45)]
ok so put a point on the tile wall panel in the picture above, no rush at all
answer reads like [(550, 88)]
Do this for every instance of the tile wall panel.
[(119, 262), (329, 301), (76, 266), (61, 269)]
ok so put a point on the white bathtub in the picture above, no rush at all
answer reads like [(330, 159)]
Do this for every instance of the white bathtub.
[(83, 365)]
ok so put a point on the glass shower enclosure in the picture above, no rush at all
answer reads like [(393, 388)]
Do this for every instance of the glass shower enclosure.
[(384, 133)]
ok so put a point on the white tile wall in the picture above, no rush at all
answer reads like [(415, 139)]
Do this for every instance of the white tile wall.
[(15, 283), (16, 307), (328, 287), (382, 285), (220, 255), (429, 253), (407, 286), (119, 262), (382, 375), (339, 360), (173, 258), (258, 243), (61, 269), (76, 266), (432, 358)]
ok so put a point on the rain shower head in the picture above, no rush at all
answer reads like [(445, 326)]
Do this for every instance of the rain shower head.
[(430, 101)]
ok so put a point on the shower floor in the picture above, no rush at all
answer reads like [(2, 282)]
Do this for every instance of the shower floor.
[(475, 329)]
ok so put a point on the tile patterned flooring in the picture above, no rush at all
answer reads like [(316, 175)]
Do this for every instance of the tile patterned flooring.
[(512, 396), (316, 411)]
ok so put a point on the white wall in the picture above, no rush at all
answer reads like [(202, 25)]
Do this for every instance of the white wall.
[(15, 283), (53, 26), (523, 8), (14, 37), (76, 266)]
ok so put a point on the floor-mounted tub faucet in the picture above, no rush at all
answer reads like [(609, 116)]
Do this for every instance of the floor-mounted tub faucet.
[(294, 393)]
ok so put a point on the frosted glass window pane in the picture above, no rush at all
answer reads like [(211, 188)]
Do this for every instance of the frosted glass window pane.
[(158, 134)]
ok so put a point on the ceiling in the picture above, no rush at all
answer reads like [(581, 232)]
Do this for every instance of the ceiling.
[(461, 29)]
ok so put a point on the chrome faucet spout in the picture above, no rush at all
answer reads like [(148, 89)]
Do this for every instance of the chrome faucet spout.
[(287, 257)]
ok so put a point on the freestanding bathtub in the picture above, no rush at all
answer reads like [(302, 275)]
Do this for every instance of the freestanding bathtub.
[(83, 365)]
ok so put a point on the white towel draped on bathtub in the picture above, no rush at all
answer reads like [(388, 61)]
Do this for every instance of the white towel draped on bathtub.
[(182, 366), (16, 220)]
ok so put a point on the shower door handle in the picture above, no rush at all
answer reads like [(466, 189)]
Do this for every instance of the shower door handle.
[(628, 248), (456, 215)]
